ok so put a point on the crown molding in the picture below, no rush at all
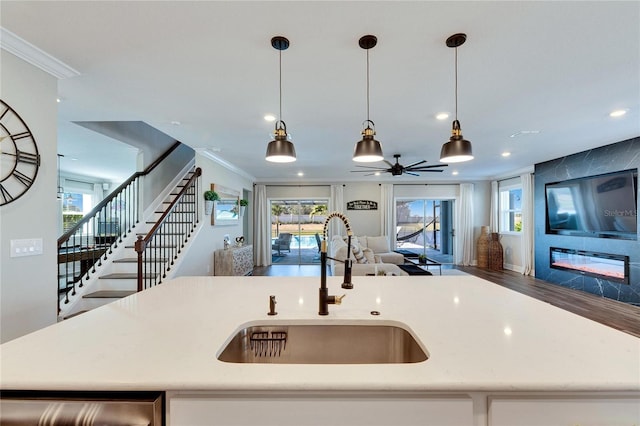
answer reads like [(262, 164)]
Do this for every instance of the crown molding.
[(35, 56), (207, 153)]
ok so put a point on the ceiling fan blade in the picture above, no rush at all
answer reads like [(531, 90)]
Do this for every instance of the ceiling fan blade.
[(428, 167), (430, 170), (390, 164), (410, 173), (365, 171), (371, 167), (415, 164)]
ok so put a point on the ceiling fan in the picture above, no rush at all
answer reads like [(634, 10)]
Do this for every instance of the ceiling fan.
[(398, 169)]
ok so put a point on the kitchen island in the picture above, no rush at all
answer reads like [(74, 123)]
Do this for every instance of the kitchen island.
[(495, 357)]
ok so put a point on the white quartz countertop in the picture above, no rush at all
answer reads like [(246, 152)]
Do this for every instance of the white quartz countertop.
[(479, 337)]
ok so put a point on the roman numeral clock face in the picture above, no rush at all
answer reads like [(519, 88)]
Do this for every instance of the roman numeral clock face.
[(20, 160)]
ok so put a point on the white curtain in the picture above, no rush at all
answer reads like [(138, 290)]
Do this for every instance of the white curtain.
[(464, 227), (262, 227), (527, 224), (336, 204), (386, 212), (494, 211), (98, 194)]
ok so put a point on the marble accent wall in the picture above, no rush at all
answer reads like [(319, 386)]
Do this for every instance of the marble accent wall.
[(610, 158)]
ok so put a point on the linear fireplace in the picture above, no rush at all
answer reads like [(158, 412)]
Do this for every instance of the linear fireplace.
[(611, 267)]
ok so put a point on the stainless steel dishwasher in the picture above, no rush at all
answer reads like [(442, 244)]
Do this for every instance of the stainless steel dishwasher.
[(19, 408)]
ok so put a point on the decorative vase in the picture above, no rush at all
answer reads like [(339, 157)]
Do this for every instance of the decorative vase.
[(483, 247), (242, 209), (495, 253)]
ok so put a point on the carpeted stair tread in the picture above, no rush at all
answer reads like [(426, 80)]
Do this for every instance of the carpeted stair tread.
[(109, 294)]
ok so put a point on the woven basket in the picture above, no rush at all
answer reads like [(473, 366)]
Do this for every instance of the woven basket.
[(483, 247), (496, 257)]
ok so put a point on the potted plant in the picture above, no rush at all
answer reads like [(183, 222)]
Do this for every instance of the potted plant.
[(243, 205), (209, 198), (422, 259)]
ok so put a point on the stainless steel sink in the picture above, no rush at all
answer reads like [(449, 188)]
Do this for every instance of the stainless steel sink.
[(323, 344)]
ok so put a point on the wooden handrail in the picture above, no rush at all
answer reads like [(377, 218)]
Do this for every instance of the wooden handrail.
[(65, 237), (109, 222), (141, 243)]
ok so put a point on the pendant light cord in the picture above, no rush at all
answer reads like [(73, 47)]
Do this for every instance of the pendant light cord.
[(368, 85), (280, 60), (456, 85)]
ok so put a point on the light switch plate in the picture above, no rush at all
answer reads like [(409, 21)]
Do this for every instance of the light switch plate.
[(28, 247)]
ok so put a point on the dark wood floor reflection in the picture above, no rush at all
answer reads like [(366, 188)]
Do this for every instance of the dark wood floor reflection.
[(618, 315)]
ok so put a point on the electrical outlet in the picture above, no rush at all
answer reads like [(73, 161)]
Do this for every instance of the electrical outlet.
[(28, 247)]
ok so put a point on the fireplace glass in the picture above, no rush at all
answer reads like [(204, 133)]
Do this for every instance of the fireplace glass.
[(611, 267)]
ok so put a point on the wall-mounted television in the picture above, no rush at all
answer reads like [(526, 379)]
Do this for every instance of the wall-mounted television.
[(602, 206)]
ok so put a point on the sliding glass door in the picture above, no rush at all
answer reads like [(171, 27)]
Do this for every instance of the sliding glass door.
[(296, 229), (425, 226)]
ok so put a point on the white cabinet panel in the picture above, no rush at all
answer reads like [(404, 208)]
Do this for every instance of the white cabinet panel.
[(321, 411), (578, 411)]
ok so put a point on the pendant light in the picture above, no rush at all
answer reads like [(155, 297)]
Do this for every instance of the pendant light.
[(368, 149), (60, 193), (457, 149), (280, 150)]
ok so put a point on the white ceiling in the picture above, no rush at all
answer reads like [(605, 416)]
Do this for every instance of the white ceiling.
[(554, 67)]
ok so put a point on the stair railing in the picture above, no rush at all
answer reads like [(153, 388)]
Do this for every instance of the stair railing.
[(160, 247), (90, 241)]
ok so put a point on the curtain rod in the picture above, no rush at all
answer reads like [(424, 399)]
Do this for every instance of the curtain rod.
[(423, 184), (294, 185), (512, 177)]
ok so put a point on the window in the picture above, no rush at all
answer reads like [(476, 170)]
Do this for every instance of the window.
[(511, 208), (74, 207)]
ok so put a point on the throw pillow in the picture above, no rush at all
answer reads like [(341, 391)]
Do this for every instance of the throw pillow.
[(368, 254), (378, 244), (358, 254)]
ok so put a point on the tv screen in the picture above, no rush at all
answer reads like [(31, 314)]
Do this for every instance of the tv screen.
[(604, 206)]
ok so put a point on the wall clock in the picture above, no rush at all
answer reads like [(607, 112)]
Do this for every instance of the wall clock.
[(20, 160)]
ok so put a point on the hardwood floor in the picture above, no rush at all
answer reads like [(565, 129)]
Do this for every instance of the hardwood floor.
[(618, 315)]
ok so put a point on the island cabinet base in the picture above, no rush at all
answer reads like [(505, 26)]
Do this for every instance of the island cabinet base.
[(578, 410), (402, 408), (319, 409)]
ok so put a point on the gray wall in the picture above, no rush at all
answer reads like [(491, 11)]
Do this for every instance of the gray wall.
[(28, 285), (619, 156)]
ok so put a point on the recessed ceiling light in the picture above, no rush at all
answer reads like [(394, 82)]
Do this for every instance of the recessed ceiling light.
[(455, 173), (58, 100), (506, 154), (377, 173), (176, 123), (270, 117), (618, 113), (300, 174), (442, 116)]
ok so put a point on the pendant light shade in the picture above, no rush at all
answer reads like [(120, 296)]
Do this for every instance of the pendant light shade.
[(280, 149), (368, 149), (457, 149)]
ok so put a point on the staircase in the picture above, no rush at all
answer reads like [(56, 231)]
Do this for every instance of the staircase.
[(98, 269)]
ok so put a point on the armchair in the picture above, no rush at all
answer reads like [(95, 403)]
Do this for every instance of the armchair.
[(283, 242)]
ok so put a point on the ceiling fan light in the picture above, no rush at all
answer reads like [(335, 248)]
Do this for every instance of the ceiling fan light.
[(368, 150), (456, 150)]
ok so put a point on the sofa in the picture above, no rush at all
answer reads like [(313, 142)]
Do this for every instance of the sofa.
[(369, 256)]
